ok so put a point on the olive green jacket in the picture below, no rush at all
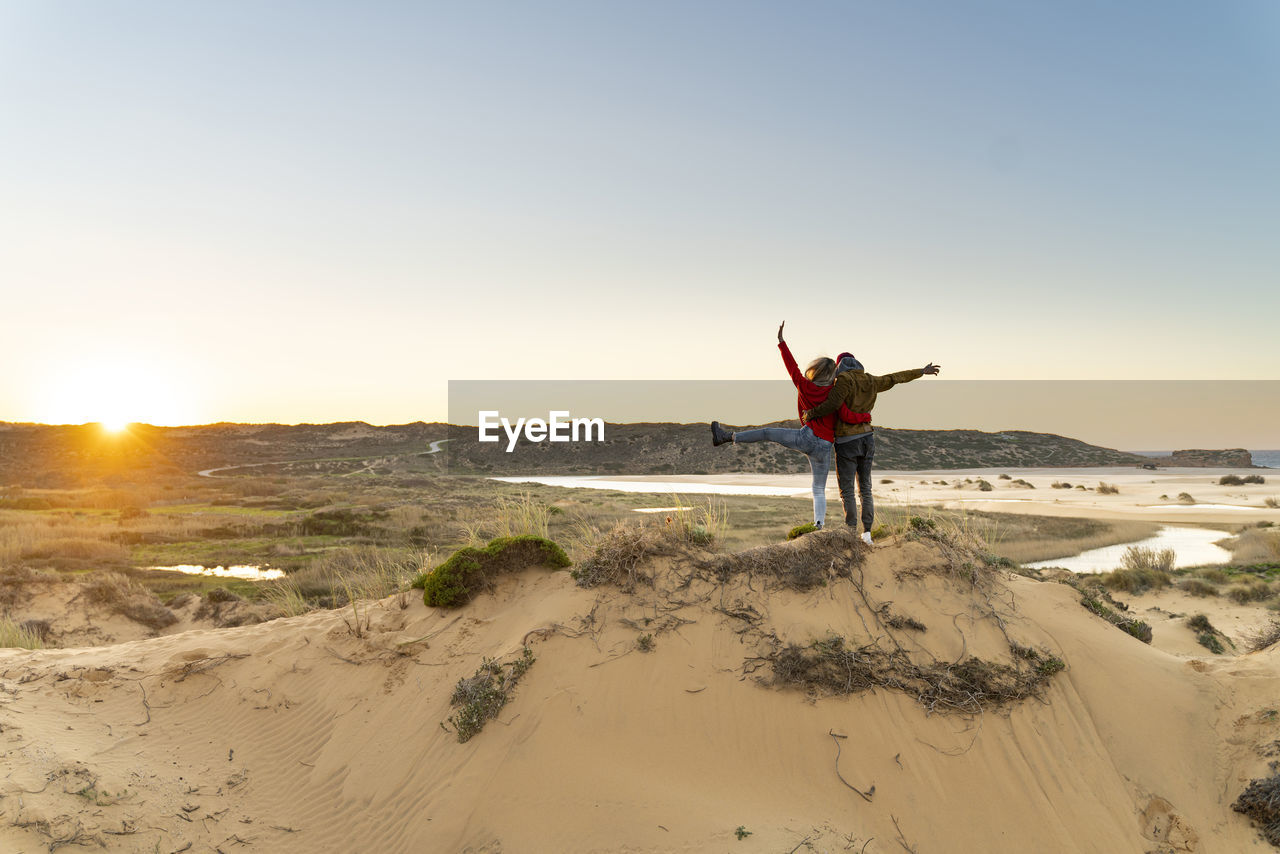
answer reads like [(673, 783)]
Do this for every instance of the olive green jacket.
[(858, 390)]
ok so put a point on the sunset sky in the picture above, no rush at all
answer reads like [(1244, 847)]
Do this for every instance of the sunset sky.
[(324, 211)]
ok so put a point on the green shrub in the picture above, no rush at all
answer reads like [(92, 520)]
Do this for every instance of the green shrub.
[(481, 696), (1230, 480), (1185, 498), (801, 530), (1210, 641), (1254, 478), (1129, 625), (984, 486), (469, 570)]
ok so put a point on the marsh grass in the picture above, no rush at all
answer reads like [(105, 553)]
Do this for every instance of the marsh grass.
[(285, 598), (15, 636), (1254, 545)]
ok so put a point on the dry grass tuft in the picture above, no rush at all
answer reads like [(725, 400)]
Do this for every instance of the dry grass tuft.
[(968, 686), (1260, 801), (128, 598), (1197, 587), (1252, 591), (1266, 638), (803, 564), (15, 636), (1153, 560)]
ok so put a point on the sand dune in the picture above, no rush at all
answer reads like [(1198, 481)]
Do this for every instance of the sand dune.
[(304, 735)]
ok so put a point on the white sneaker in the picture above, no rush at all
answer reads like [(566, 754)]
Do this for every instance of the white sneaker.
[(866, 537)]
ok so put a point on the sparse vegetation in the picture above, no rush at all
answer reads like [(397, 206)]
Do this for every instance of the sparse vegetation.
[(1100, 603), (899, 621), (480, 697), (123, 596), (645, 643), (1058, 484), (1108, 489), (1207, 636), (1185, 498)]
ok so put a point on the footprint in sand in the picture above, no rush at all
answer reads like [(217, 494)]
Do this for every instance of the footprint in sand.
[(1161, 823)]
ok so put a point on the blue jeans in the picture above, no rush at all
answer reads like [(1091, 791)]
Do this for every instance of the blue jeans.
[(817, 450)]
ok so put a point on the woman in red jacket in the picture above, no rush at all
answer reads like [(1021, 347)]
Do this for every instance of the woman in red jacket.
[(815, 439)]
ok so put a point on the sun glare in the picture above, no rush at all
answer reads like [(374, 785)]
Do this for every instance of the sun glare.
[(113, 393)]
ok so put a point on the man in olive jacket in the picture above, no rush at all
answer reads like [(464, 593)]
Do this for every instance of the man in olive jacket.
[(856, 443)]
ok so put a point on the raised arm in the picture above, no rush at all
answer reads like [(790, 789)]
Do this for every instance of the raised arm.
[(787, 359)]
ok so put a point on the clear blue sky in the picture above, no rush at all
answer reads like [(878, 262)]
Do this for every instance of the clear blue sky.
[(323, 211)]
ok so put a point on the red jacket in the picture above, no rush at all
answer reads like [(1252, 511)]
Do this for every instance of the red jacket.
[(810, 394)]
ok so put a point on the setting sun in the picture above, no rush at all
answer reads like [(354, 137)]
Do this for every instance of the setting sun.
[(115, 392)]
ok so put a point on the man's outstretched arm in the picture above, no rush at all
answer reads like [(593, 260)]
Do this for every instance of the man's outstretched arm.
[(888, 381), (839, 392)]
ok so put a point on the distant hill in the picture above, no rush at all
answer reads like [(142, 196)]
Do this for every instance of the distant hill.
[(656, 448), (44, 456)]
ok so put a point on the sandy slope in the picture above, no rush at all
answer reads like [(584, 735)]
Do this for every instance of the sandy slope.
[(297, 735)]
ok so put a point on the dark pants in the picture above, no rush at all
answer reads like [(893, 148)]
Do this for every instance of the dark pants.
[(853, 462)]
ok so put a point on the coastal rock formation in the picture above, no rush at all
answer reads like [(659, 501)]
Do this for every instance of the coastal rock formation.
[(1226, 458)]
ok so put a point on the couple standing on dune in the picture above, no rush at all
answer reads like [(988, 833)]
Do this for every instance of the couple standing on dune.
[(835, 399)]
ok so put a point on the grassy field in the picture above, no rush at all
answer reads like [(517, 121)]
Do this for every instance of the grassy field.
[(325, 530)]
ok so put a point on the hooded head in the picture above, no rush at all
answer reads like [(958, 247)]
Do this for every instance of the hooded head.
[(846, 362)]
